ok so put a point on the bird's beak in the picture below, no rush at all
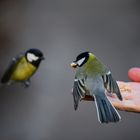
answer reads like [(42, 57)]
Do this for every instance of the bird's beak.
[(74, 65)]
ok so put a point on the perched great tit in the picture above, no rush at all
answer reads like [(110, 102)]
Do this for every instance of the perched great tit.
[(93, 79), (23, 67)]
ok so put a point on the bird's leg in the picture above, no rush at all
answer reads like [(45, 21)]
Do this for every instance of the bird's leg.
[(27, 83), (88, 98)]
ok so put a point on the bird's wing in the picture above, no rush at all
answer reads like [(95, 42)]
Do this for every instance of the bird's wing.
[(79, 91), (7, 75), (111, 85)]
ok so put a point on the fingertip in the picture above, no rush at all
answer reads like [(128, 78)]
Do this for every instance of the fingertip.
[(134, 74)]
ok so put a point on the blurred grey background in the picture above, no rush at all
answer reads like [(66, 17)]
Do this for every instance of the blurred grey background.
[(62, 29)]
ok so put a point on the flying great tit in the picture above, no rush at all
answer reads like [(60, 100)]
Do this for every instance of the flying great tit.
[(23, 67), (94, 79)]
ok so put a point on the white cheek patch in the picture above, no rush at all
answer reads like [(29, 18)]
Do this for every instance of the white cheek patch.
[(81, 61), (31, 57)]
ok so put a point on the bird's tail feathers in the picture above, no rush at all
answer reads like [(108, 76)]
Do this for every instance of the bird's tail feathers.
[(106, 112)]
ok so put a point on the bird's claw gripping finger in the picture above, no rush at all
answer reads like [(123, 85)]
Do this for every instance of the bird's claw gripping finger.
[(27, 83)]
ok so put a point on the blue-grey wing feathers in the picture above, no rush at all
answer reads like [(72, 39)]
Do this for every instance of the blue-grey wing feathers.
[(78, 91), (111, 85)]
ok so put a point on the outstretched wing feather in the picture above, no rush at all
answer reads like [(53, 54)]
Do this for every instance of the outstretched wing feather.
[(111, 85), (7, 75)]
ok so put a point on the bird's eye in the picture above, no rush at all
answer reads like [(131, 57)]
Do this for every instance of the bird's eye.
[(31, 57), (80, 62)]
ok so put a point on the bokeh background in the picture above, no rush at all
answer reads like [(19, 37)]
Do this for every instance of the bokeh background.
[(62, 29)]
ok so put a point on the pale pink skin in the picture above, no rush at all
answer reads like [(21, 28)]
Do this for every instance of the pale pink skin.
[(134, 74), (131, 97), (130, 92)]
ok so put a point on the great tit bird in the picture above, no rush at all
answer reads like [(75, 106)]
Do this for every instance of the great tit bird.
[(22, 67), (93, 79)]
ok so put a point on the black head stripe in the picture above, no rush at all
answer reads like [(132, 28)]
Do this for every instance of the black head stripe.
[(83, 55), (36, 52)]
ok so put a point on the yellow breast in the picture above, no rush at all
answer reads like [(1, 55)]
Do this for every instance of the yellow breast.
[(23, 71)]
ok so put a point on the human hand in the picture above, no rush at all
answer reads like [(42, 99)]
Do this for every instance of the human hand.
[(131, 97), (130, 92)]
